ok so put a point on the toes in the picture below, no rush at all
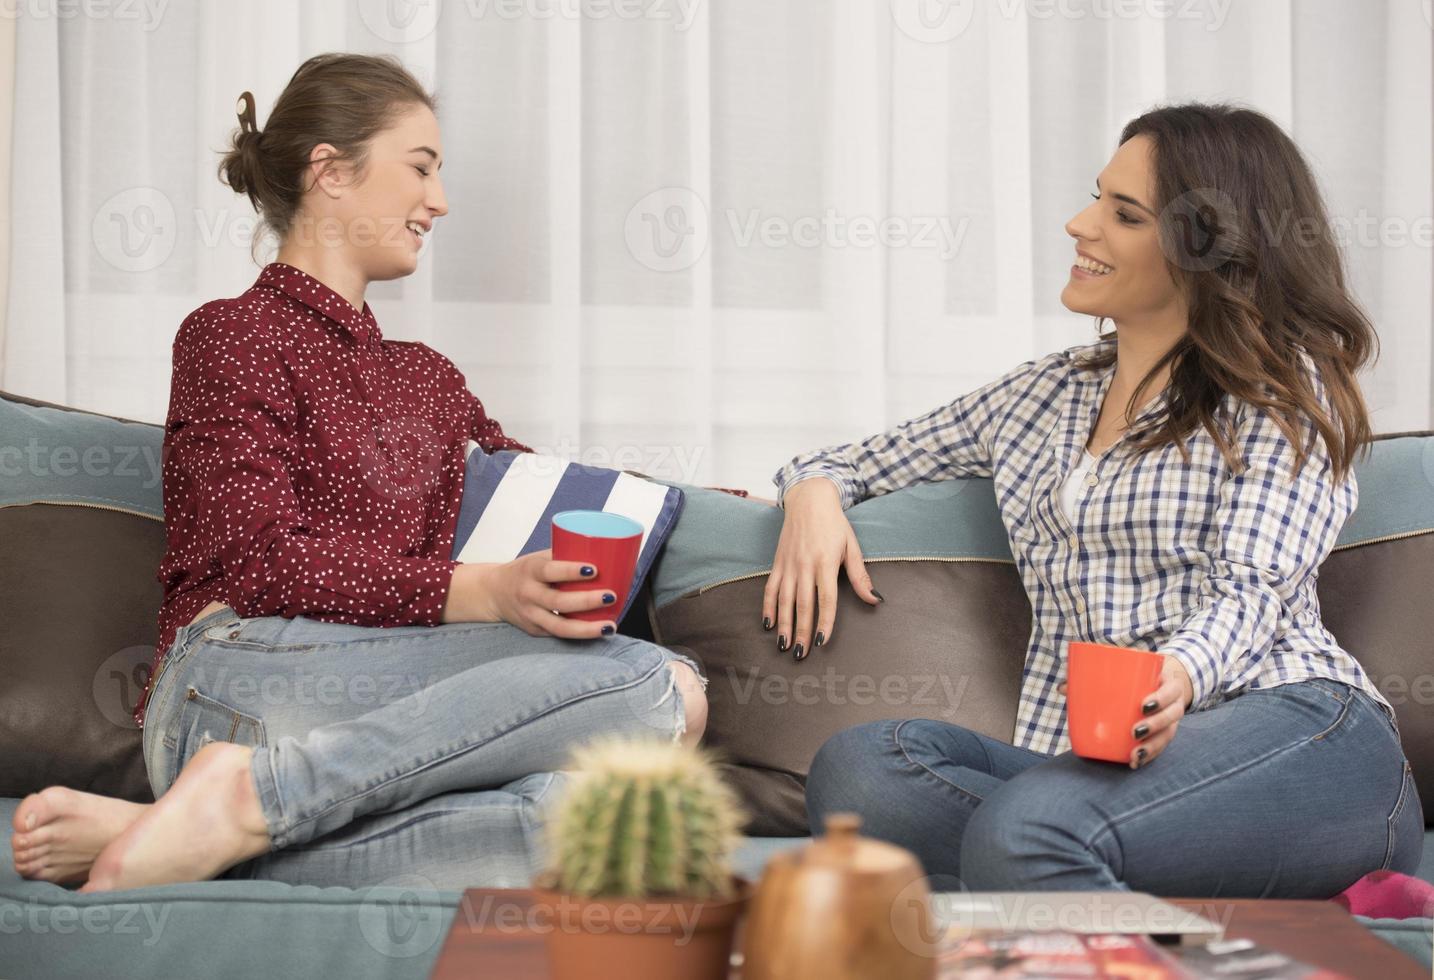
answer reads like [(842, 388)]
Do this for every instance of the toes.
[(26, 815), (40, 808)]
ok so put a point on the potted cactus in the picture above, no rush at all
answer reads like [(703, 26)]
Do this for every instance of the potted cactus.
[(638, 880)]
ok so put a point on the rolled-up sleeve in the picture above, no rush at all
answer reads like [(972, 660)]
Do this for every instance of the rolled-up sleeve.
[(229, 440), (946, 443), (1272, 531)]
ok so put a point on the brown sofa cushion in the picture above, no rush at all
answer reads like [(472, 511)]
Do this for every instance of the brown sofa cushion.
[(78, 596), (947, 643)]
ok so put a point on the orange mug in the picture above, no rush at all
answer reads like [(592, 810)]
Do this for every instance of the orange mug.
[(1105, 687)]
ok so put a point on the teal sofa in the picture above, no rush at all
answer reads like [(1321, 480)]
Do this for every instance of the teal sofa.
[(77, 599)]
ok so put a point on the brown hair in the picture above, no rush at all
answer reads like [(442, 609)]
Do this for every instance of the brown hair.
[(337, 98), (1248, 241)]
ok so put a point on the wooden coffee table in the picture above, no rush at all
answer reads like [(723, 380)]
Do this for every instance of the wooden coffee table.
[(499, 932)]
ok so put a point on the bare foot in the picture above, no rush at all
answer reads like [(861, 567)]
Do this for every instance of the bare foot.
[(59, 831), (208, 821)]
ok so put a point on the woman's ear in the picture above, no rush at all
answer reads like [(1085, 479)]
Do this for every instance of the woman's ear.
[(327, 172)]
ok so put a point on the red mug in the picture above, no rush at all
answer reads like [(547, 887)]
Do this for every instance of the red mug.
[(1105, 688), (610, 543)]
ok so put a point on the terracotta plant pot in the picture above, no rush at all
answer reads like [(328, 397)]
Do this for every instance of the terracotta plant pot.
[(638, 938)]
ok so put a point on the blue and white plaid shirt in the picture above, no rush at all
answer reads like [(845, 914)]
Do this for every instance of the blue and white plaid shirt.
[(1187, 559)]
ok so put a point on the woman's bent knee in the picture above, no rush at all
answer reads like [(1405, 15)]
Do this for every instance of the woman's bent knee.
[(694, 702)]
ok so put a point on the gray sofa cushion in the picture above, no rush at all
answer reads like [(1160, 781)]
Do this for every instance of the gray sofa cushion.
[(236, 928)]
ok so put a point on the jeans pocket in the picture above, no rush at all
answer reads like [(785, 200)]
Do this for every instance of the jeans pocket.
[(1406, 828), (203, 719)]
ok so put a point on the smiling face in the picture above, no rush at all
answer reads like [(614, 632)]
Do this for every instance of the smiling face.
[(1119, 270), (381, 219)]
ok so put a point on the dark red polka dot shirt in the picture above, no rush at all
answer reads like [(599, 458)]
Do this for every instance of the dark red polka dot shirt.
[(310, 467)]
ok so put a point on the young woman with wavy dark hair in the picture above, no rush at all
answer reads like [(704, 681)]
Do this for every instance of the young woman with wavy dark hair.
[(334, 701), (1172, 487)]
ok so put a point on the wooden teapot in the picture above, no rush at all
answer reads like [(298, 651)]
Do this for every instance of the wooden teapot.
[(845, 907)]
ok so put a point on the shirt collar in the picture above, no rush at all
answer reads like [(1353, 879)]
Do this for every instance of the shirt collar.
[(301, 286)]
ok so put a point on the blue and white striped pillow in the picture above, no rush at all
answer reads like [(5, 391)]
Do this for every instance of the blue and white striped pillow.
[(509, 499)]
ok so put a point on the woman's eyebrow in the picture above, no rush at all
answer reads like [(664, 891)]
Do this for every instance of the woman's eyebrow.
[(1127, 199), (430, 151)]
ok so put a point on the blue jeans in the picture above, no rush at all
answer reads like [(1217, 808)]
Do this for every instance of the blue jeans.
[(405, 751), (1294, 791)]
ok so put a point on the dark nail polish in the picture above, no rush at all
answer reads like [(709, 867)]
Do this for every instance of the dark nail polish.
[(1142, 730), (766, 623), (607, 629), (1140, 754), (1148, 707), (879, 596), (782, 643), (821, 638), (588, 571), (608, 598), (799, 652)]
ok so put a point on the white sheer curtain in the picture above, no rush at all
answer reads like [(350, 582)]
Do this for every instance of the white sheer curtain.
[(698, 237)]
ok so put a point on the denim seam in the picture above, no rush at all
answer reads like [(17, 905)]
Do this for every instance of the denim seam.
[(1405, 780), (896, 737), (377, 639), (453, 753), (1114, 823)]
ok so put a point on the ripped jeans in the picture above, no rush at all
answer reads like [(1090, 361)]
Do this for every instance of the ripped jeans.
[(404, 752)]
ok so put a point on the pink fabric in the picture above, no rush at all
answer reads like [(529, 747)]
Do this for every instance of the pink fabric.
[(1388, 895)]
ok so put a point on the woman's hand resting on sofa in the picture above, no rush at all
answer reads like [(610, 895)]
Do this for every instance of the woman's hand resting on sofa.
[(1163, 711), (816, 543), (524, 592)]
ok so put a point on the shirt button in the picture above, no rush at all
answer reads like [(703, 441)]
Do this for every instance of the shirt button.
[(1092, 480), (1080, 605)]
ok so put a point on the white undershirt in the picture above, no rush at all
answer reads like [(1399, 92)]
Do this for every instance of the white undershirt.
[(1073, 483)]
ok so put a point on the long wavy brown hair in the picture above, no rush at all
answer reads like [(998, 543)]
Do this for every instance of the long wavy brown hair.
[(1247, 239)]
